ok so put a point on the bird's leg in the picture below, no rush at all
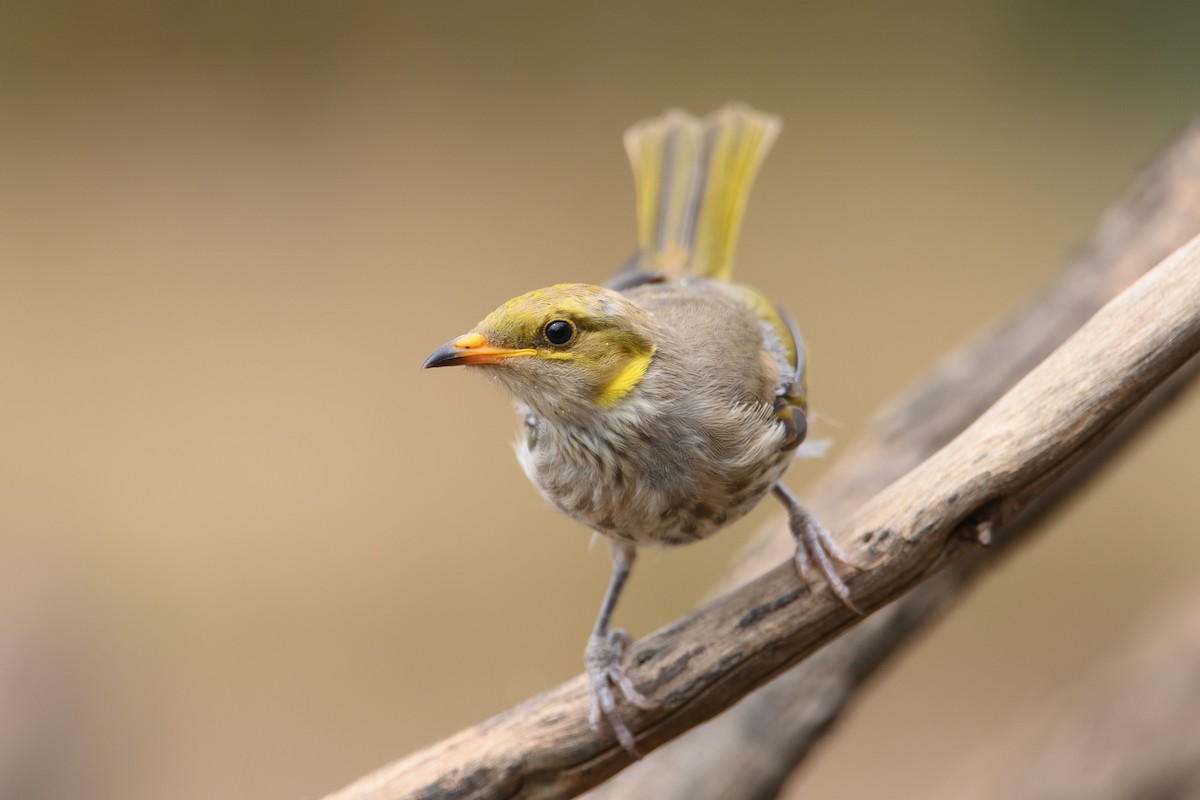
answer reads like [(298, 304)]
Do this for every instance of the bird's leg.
[(604, 652), (815, 545)]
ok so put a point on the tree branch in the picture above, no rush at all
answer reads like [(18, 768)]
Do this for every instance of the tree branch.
[(1129, 730), (705, 662), (750, 751)]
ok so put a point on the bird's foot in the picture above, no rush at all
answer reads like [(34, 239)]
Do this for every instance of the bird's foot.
[(814, 545), (602, 659)]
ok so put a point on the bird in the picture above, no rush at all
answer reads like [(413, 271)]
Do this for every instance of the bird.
[(662, 406)]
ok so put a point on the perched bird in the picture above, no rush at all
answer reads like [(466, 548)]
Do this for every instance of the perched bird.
[(662, 407)]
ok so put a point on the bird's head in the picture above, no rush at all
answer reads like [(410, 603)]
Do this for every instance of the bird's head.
[(561, 350)]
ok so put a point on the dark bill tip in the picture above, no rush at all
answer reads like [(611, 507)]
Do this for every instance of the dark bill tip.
[(445, 356)]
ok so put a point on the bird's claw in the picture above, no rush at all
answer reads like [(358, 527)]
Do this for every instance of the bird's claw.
[(814, 544), (602, 659)]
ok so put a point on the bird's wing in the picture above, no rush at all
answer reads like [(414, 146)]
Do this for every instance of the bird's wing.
[(782, 340), (791, 405), (798, 390)]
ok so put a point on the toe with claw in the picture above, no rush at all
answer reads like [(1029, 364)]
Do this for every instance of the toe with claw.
[(815, 546), (602, 658)]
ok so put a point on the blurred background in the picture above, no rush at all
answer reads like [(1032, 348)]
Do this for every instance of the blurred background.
[(248, 549)]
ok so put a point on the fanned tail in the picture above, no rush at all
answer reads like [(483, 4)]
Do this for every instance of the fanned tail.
[(693, 178)]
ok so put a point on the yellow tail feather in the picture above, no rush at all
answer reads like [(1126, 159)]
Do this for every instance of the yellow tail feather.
[(693, 178)]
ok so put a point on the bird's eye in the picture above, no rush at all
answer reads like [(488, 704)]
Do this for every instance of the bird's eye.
[(559, 332)]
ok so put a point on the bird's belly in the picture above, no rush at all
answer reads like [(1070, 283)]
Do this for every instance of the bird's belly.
[(617, 498)]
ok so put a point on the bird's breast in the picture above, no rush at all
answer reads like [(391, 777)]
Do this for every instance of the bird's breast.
[(647, 481)]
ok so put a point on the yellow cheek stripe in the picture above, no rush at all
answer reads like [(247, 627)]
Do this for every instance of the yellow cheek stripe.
[(626, 379)]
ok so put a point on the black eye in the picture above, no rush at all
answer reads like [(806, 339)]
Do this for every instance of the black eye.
[(559, 332)]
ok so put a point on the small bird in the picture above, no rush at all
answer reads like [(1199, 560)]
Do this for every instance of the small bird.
[(663, 406)]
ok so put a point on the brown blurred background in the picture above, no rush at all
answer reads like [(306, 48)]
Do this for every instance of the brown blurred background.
[(248, 549)]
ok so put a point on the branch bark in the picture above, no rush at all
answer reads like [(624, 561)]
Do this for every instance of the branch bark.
[(750, 751), (1130, 730), (702, 664)]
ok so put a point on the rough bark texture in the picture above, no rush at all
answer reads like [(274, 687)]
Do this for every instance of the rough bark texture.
[(963, 494)]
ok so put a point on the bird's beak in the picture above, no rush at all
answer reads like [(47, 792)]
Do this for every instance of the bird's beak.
[(472, 348)]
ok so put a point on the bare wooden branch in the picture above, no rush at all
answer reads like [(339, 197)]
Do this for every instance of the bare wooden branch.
[(1130, 730), (1160, 213), (706, 661), (750, 750)]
